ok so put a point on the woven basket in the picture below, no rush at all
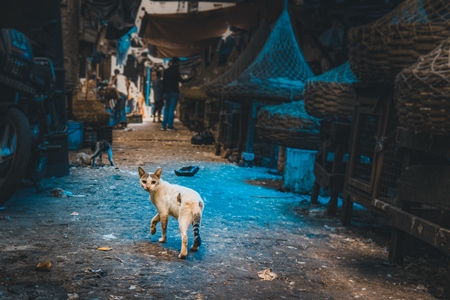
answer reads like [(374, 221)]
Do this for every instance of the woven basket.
[(380, 50), (422, 92), (331, 95), (87, 108), (289, 125), (194, 92)]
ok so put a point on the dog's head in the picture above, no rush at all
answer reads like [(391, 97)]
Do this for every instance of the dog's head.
[(149, 182)]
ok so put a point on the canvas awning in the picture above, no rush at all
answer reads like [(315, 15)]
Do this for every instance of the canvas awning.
[(190, 33)]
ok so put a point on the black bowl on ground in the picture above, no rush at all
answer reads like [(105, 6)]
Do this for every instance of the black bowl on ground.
[(187, 171)]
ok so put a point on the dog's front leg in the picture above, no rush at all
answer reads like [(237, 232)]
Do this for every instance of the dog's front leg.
[(153, 223), (164, 219)]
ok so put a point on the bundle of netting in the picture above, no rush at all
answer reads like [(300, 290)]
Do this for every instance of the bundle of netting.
[(331, 94), (215, 87), (422, 92), (289, 124), (380, 50), (279, 71), (195, 89)]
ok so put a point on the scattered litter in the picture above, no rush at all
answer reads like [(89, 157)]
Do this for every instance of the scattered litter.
[(132, 287), (267, 274), (74, 213), (274, 197), (96, 271), (112, 297), (104, 249), (115, 257), (58, 192), (78, 196), (128, 129), (421, 288), (199, 297), (329, 228), (109, 237), (73, 296), (45, 266)]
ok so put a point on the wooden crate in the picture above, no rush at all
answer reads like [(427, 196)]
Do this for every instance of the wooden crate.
[(93, 134), (137, 118)]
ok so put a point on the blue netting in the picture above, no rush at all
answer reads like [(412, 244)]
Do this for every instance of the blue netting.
[(341, 74), (278, 72), (406, 14), (216, 87)]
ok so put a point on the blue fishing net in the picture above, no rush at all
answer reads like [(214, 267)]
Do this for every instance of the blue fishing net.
[(279, 71), (215, 88)]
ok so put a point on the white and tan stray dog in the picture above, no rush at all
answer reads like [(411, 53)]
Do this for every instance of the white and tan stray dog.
[(182, 203)]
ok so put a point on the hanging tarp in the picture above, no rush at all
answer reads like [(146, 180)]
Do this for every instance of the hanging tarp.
[(120, 15), (123, 44), (190, 33)]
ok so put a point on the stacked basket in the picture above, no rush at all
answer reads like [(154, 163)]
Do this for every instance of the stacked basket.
[(289, 125), (87, 108), (380, 50), (423, 92), (331, 94)]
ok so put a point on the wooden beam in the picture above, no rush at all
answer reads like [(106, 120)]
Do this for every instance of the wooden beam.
[(437, 145), (322, 176), (425, 184), (422, 229)]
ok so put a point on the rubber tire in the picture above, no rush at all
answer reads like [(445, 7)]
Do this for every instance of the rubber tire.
[(19, 163)]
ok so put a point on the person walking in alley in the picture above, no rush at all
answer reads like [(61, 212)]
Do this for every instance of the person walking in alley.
[(120, 82), (171, 88), (133, 94), (158, 95)]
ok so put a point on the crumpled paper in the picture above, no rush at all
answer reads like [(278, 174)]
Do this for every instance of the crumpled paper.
[(58, 192), (267, 274)]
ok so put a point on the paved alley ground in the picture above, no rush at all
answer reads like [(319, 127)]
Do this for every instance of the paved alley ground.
[(248, 226)]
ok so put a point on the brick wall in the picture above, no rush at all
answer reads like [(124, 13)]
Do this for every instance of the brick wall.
[(70, 26)]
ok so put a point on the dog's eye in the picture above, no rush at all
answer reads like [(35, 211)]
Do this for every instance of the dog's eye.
[(144, 181), (153, 181)]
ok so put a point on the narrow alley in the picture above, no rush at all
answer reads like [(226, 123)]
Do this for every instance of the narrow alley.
[(248, 226)]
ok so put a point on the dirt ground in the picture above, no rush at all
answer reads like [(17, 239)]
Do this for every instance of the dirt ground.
[(248, 226)]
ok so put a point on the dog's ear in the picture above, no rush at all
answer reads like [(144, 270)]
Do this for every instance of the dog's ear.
[(158, 173), (141, 172)]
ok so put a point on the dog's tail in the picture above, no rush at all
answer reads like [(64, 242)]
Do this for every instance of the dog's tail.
[(197, 216)]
